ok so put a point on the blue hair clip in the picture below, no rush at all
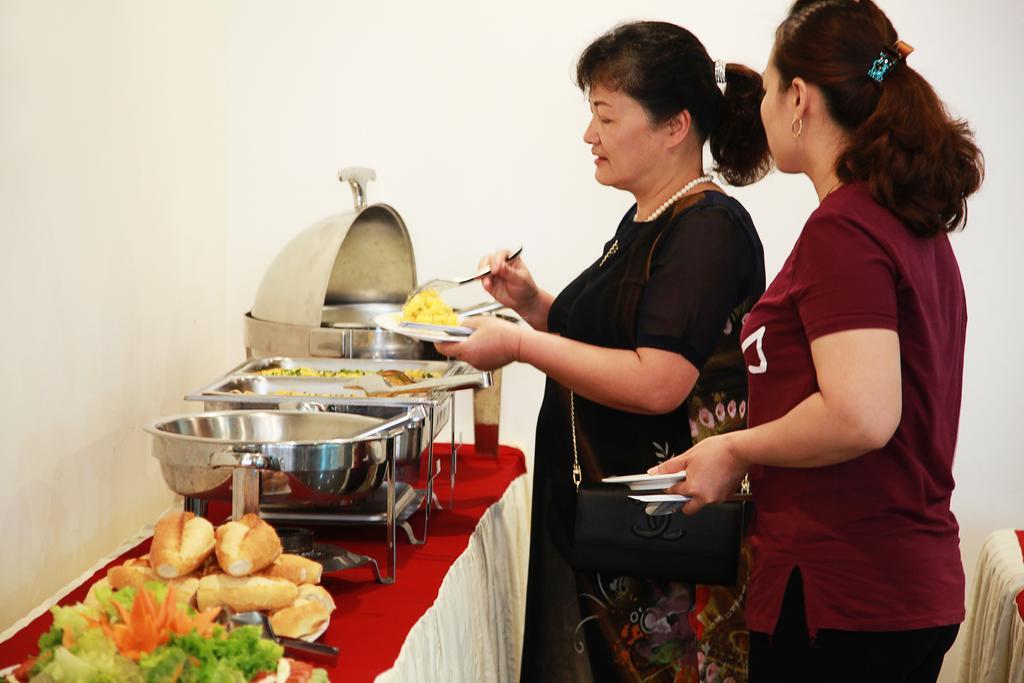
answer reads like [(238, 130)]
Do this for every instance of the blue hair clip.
[(887, 59), (882, 66)]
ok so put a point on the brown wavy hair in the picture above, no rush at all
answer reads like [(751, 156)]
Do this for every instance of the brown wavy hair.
[(667, 70), (917, 160)]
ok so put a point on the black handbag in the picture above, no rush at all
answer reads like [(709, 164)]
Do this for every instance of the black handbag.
[(614, 535)]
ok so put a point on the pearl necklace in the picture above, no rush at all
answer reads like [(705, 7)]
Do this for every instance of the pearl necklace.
[(675, 198), (660, 210)]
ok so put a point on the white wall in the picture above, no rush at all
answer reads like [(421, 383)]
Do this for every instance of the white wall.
[(468, 113), (154, 157), (112, 273)]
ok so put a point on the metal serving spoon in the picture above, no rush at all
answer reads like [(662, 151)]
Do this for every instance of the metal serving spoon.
[(441, 284), (375, 385), (326, 654)]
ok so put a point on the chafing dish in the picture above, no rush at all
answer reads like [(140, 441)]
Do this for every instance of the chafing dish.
[(315, 305), (322, 291), (323, 457), (271, 392), (322, 394), (285, 457)]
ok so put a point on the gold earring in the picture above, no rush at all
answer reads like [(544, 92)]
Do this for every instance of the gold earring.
[(797, 127)]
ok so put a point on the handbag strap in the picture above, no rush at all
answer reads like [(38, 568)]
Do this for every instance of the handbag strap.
[(577, 473)]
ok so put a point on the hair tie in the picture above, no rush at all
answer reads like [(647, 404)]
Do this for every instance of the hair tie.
[(888, 59), (720, 75)]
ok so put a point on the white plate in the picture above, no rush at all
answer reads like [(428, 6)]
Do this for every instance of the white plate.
[(457, 330), (315, 635), (392, 322), (659, 504), (647, 482), (662, 498), (9, 670)]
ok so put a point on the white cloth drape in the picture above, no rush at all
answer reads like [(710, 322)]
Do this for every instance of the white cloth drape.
[(474, 630), (994, 648)]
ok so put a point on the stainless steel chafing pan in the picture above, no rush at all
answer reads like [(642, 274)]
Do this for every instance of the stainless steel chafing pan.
[(440, 368), (301, 389), (327, 458), (240, 389), (229, 392)]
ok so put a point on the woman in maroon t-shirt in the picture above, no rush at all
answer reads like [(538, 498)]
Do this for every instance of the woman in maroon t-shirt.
[(855, 359)]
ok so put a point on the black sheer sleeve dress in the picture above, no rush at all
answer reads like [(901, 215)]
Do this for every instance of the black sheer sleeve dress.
[(681, 283)]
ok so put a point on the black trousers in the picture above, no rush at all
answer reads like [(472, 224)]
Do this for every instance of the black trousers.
[(835, 656)]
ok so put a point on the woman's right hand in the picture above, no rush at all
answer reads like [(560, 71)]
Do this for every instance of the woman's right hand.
[(510, 282)]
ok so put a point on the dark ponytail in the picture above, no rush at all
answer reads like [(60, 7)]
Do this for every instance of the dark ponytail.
[(667, 70), (738, 144), (917, 160)]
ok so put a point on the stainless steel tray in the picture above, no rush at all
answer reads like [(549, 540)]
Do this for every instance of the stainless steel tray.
[(290, 389), (365, 364), (230, 390)]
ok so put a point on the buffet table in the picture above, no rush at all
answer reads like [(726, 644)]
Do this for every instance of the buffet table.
[(456, 609), (994, 647)]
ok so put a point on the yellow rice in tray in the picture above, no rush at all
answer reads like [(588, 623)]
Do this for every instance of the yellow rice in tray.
[(343, 373)]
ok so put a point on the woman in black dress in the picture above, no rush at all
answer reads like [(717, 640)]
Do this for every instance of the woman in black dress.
[(644, 345)]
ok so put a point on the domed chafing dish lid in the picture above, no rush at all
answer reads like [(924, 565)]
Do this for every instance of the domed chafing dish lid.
[(363, 256)]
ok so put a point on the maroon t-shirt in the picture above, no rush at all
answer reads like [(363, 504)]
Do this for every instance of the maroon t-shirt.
[(875, 541)]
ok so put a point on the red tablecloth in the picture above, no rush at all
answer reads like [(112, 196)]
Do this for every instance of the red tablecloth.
[(372, 620), (1020, 596)]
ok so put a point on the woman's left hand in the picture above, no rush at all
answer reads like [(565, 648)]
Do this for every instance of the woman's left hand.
[(713, 472), (494, 344)]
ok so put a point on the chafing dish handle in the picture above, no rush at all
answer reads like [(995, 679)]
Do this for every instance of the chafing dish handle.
[(248, 456), (305, 407), (246, 462), (415, 417), (358, 178)]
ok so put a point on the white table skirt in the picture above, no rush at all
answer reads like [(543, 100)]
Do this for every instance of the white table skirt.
[(474, 630), (994, 647)]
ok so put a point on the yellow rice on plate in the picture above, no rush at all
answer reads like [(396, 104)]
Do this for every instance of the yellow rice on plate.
[(429, 307)]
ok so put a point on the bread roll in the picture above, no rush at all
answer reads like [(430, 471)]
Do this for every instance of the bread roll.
[(246, 546), (317, 594), (295, 568), (90, 599), (134, 572), (245, 593), (301, 619), (181, 542)]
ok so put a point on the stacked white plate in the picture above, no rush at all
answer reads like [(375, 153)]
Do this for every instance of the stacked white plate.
[(651, 482)]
